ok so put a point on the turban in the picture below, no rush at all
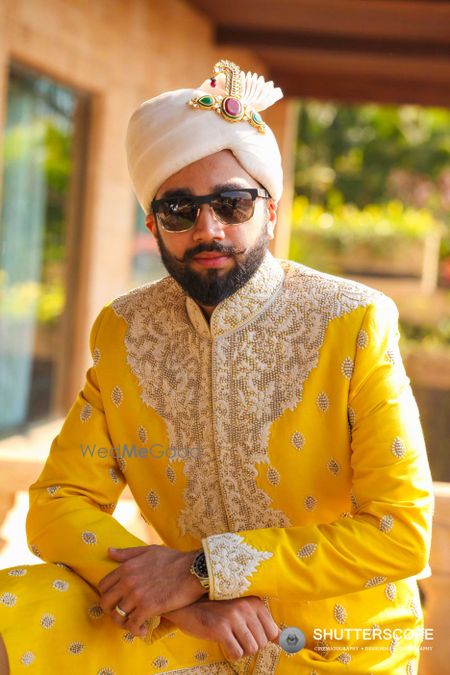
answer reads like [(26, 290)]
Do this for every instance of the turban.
[(176, 128)]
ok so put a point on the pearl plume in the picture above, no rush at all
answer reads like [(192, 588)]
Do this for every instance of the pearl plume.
[(258, 93)]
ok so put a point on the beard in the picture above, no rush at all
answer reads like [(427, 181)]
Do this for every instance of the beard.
[(214, 285)]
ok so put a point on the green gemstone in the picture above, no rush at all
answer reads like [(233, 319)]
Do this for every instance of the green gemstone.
[(206, 100), (257, 118)]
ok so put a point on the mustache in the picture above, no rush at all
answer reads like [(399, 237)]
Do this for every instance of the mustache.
[(207, 248)]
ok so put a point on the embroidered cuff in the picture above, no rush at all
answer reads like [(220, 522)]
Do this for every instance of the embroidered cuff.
[(231, 562), (157, 628)]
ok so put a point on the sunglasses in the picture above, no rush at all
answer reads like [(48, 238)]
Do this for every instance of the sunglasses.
[(231, 207)]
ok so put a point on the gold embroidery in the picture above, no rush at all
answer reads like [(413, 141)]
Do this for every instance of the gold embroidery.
[(323, 402), (171, 475), (8, 599), (201, 655), (374, 581), (298, 440), (152, 499), (96, 356), (347, 367), (398, 448), (76, 647), (27, 658), (340, 613), (114, 477), (216, 668), (160, 662), (390, 356), (86, 412), (60, 585), (142, 433), (220, 389), (362, 340), (415, 607), (230, 561), (333, 466), (18, 572), (47, 620), (117, 396), (89, 537), (267, 659), (310, 503), (273, 475), (386, 523), (391, 591), (307, 550), (393, 644), (95, 611)]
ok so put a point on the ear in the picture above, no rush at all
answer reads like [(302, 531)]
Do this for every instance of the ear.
[(271, 221), (150, 223)]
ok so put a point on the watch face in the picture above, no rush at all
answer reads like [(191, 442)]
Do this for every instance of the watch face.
[(200, 565)]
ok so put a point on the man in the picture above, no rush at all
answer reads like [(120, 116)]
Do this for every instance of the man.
[(259, 412)]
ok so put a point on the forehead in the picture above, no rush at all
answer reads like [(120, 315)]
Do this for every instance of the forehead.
[(207, 175)]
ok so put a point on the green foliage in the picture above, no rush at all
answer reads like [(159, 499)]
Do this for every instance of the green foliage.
[(348, 153), (369, 176)]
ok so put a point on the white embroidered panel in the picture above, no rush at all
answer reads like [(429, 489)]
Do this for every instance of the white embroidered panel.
[(231, 562), (220, 387)]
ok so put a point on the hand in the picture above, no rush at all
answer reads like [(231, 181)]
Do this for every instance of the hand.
[(241, 626), (149, 581)]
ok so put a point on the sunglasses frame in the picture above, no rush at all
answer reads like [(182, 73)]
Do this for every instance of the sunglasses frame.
[(207, 199)]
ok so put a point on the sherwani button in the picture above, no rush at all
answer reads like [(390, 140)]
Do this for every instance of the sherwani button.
[(292, 639)]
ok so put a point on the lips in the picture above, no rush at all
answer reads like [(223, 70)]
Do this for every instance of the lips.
[(211, 259), (210, 256)]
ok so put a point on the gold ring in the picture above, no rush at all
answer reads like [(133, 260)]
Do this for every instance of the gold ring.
[(121, 611)]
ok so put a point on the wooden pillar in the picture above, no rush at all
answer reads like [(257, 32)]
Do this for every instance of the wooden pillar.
[(282, 118)]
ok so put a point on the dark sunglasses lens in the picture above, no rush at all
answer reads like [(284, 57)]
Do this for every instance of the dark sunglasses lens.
[(233, 207), (177, 214)]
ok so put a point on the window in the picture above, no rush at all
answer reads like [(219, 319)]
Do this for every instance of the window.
[(36, 209)]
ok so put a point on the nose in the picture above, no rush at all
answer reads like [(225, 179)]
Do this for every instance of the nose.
[(207, 226)]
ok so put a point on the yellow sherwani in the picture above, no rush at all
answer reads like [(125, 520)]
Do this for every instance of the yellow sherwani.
[(283, 436)]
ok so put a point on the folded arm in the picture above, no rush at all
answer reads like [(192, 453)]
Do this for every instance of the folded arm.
[(71, 503)]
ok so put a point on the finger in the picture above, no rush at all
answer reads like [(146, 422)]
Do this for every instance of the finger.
[(136, 622), (109, 580), (231, 648), (113, 597), (257, 630), (118, 618), (246, 639), (126, 553), (271, 629)]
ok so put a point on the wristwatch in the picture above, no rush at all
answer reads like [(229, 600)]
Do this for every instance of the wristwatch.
[(200, 570)]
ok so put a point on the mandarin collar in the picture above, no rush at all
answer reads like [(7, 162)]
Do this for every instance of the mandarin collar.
[(241, 306)]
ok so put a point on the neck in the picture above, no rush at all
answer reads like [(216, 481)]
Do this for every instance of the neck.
[(207, 310)]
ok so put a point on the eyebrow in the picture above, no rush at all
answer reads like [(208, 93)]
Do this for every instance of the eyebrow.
[(185, 191)]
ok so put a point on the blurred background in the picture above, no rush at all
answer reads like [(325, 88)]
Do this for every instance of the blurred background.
[(364, 129)]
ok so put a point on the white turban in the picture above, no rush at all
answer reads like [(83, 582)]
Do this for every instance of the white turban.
[(166, 134)]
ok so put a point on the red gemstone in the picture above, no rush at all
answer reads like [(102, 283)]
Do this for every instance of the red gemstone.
[(213, 82), (232, 106)]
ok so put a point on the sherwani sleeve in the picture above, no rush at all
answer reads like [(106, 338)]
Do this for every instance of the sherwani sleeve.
[(387, 537), (71, 503)]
